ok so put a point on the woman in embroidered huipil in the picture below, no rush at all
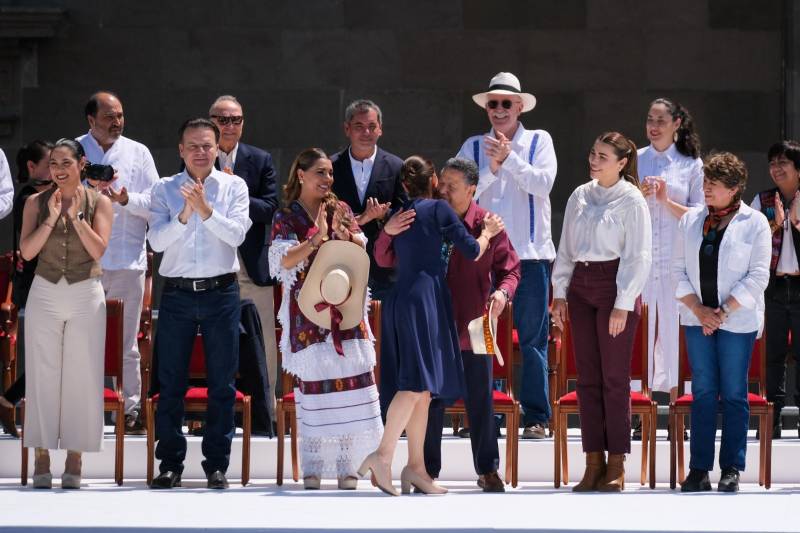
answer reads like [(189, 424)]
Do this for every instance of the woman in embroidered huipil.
[(338, 414)]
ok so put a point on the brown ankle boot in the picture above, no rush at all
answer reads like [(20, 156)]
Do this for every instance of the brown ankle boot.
[(614, 480), (594, 474)]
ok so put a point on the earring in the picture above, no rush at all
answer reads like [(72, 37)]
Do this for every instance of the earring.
[(301, 182), (675, 136)]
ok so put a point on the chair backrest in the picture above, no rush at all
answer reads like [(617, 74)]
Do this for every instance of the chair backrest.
[(197, 361), (639, 365), (505, 342), (6, 270), (375, 326), (757, 374), (115, 310)]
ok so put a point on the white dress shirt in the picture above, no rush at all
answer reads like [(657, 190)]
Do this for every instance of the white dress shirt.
[(603, 224), (227, 160), (787, 261), (743, 272), (362, 170), (520, 191), (136, 172), (200, 248), (684, 177), (6, 187)]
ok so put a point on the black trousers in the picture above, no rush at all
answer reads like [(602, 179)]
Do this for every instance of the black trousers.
[(782, 315), (483, 429)]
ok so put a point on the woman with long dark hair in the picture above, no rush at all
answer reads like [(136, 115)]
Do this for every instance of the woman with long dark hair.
[(602, 263), (337, 400), (67, 227), (672, 182)]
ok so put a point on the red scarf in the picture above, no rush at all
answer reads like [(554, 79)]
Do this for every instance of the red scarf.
[(715, 216)]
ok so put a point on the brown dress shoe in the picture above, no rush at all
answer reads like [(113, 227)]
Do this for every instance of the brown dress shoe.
[(594, 474), (535, 431), (614, 480), (491, 483)]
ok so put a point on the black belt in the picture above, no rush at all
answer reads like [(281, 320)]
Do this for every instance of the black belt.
[(201, 284)]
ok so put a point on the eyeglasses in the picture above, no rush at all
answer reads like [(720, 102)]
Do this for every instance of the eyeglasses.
[(224, 121), (492, 104)]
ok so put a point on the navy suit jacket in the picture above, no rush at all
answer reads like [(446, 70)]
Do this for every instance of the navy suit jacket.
[(384, 184), (255, 167)]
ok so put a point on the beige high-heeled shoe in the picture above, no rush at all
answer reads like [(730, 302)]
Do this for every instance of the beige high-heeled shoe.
[(312, 483), (348, 483), (71, 478), (409, 478), (381, 474), (43, 479)]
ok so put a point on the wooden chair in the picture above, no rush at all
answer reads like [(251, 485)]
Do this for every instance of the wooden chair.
[(759, 406), (285, 407), (8, 322), (112, 398), (196, 400), (503, 402), (145, 335), (641, 404)]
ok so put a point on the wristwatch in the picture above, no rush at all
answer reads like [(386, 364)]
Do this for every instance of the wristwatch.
[(505, 293), (80, 216)]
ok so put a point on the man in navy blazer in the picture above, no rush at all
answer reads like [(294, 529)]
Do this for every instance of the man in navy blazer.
[(367, 178), (255, 167)]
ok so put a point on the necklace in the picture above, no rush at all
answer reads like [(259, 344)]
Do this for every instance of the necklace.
[(312, 217)]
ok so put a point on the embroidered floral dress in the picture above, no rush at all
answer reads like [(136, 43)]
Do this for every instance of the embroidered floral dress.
[(338, 413)]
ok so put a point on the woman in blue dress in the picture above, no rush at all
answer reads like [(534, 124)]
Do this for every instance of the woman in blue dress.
[(419, 339)]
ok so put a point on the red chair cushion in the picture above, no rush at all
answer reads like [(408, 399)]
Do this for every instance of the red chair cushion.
[(752, 399), (288, 398), (571, 398), (515, 338), (200, 394), (109, 395), (498, 398)]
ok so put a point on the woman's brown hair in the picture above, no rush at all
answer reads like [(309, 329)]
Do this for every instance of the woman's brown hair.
[(727, 169), (623, 148), (416, 174), (291, 191)]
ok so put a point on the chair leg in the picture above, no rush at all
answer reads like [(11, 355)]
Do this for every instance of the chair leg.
[(654, 418), (515, 435), (645, 435), (23, 474), (293, 442), (119, 442), (509, 449), (246, 430), (672, 452), (768, 458), (564, 450), (678, 436), (149, 408), (281, 427), (557, 447), (763, 429)]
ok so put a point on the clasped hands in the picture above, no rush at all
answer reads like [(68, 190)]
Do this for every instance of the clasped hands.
[(496, 149), (194, 197)]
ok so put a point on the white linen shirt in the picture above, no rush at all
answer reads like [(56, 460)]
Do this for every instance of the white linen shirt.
[(787, 261), (362, 170), (227, 160), (136, 172), (743, 266), (684, 177), (520, 191), (6, 187), (603, 224), (200, 248)]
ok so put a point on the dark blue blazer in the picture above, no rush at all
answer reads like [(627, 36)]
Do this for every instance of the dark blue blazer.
[(384, 184), (255, 167)]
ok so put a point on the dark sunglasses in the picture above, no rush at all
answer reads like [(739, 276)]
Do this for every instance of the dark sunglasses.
[(224, 121), (492, 104)]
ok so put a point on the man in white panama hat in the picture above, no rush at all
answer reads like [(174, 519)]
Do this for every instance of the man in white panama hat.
[(517, 171)]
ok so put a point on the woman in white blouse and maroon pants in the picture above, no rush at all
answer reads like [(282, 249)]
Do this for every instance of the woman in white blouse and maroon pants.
[(602, 264)]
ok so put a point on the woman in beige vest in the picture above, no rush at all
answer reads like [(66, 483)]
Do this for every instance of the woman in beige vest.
[(68, 227)]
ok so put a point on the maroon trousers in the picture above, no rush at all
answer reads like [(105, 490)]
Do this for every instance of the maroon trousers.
[(603, 362)]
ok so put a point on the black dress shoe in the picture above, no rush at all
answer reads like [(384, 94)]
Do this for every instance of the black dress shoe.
[(216, 480), (729, 481), (7, 421), (637, 430), (696, 481), (166, 480)]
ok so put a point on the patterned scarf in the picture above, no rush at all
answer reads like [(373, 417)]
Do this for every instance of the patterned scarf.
[(715, 216)]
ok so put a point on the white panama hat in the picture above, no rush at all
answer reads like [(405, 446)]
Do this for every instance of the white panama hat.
[(506, 83)]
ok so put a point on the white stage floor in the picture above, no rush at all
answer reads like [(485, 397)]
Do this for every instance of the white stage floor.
[(263, 506)]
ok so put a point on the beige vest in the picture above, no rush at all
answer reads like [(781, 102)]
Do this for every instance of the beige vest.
[(63, 254)]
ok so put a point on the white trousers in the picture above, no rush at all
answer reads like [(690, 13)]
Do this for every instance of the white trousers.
[(263, 298), (662, 351), (128, 286), (65, 331)]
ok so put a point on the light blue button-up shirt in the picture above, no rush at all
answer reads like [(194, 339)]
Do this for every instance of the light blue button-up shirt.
[(200, 248)]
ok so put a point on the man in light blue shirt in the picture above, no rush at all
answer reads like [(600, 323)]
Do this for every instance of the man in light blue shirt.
[(198, 218)]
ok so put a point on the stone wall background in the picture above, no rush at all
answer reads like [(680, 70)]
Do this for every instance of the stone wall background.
[(593, 65)]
